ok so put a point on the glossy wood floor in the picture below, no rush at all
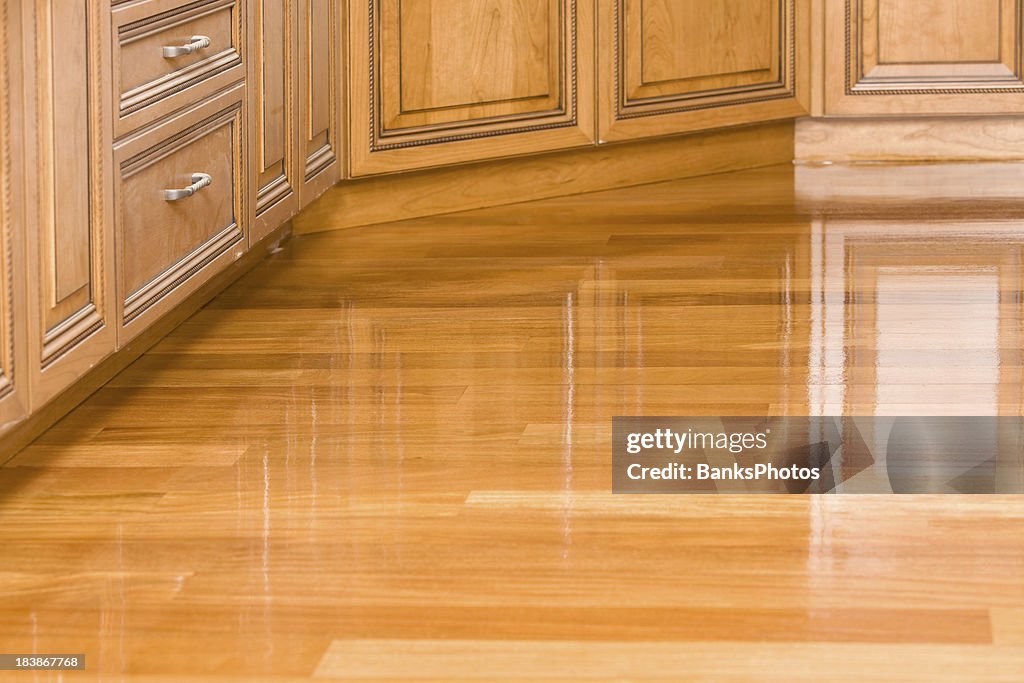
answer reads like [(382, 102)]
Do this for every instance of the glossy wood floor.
[(384, 454)]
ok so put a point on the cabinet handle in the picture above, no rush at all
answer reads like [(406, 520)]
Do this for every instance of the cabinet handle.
[(199, 181), (196, 43)]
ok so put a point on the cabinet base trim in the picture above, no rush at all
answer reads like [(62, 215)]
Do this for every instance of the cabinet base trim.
[(960, 138), (382, 199)]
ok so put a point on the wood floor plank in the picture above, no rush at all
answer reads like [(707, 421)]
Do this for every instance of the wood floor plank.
[(527, 660), (384, 453)]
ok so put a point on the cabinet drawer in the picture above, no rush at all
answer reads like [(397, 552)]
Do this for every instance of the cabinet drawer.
[(179, 208), (170, 55)]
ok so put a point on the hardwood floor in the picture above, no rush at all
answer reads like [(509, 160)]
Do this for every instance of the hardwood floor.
[(384, 454)]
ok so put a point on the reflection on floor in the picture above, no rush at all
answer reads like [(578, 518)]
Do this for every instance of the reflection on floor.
[(385, 452)]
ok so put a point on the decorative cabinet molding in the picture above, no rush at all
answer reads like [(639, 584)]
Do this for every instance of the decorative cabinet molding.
[(672, 66), (150, 82), (274, 151), (435, 82), (320, 90), (14, 396), (169, 245), (888, 57), (70, 270)]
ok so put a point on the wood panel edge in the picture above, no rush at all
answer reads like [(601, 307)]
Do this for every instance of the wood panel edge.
[(508, 181), (991, 138)]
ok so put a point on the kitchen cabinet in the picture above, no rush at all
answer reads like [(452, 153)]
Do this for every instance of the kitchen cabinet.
[(72, 315), (675, 66), (438, 82), (274, 157), (923, 57), (320, 90)]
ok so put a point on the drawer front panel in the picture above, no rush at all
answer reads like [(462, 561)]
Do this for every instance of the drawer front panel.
[(174, 58), (168, 244)]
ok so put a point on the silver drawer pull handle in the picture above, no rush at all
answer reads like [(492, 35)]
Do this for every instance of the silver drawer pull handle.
[(199, 181), (197, 43)]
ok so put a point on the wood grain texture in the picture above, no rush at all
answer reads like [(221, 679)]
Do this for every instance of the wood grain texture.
[(673, 67), (938, 31), (438, 82), (933, 190), (740, 38), (44, 417), (448, 61), (989, 138), (396, 197), (816, 58), (14, 318), (148, 86), (905, 57), (590, 661), (394, 452), (70, 252), (273, 159), (321, 96), (167, 248)]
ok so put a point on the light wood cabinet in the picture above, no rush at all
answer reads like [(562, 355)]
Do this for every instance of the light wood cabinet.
[(184, 195), (295, 90), (179, 207), (320, 89), (934, 57), (435, 82), (169, 53), (672, 66), (14, 396), (72, 311), (275, 152)]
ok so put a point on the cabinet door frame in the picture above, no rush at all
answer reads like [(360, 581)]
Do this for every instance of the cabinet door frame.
[(623, 116), (377, 150), (851, 89), (14, 389), (61, 353), (274, 200), (322, 153)]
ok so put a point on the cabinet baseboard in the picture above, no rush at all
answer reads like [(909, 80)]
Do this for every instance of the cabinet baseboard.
[(970, 138), (506, 181)]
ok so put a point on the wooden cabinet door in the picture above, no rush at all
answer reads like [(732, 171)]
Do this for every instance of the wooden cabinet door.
[(673, 66), (70, 243), (14, 404), (890, 57), (319, 91), (274, 162), (437, 82)]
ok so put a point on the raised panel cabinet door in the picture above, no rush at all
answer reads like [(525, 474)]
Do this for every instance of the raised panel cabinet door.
[(273, 157), (13, 304), (674, 66), (71, 243), (319, 92), (436, 82), (892, 57)]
